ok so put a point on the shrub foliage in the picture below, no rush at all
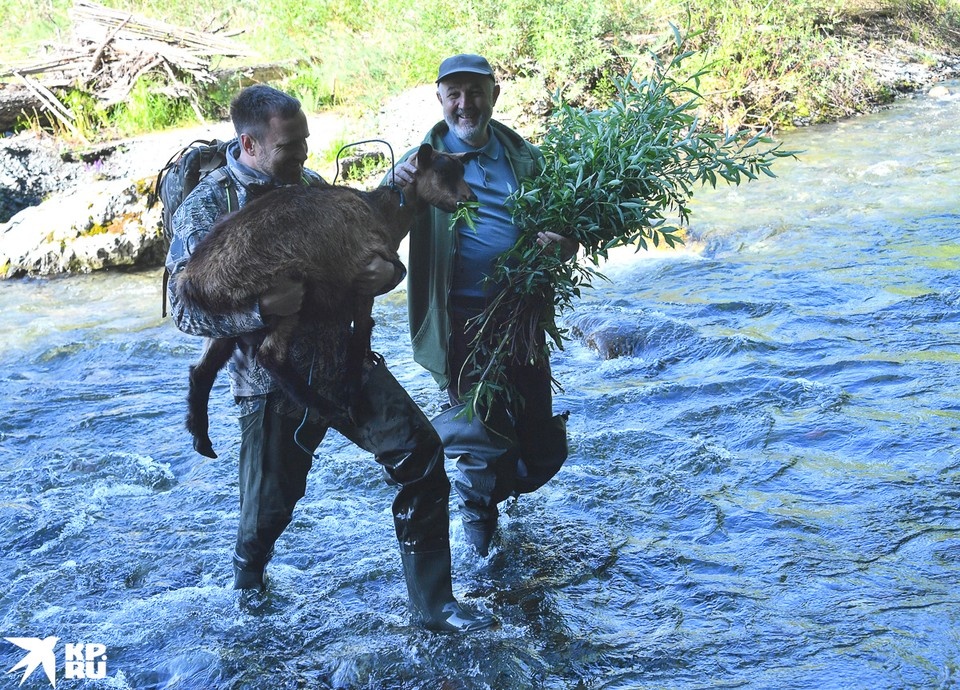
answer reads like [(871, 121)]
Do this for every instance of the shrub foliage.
[(619, 176)]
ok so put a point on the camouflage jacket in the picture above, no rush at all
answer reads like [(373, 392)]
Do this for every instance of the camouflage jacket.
[(192, 221)]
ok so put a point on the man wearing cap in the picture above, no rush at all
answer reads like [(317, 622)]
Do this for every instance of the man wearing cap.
[(516, 450)]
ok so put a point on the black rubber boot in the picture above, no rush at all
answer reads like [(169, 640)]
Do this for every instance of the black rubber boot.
[(431, 594), (246, 575), (479, 533), (248, 579)]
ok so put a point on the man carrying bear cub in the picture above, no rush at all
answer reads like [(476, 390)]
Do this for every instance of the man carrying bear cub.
[(277, 437)]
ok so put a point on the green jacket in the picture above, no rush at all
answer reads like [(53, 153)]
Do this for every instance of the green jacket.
[(432, 256)]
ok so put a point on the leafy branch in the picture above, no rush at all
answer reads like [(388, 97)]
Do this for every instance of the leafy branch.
[(623, 176)]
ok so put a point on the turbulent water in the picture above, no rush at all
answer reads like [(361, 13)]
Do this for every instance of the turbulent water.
[(763, 489)]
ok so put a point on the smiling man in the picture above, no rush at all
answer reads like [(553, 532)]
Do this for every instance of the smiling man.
[(519, 448), (467, 96), (278, 436)]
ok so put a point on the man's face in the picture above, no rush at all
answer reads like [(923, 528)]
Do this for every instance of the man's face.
[(283, 149), (467, 100)]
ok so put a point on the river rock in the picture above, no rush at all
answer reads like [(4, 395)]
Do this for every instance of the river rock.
[(31, 169), (940, 92), (74, 210), (607, 334), (107, 224)]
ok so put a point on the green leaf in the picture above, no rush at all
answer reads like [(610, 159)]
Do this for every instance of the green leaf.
[(466, 213)]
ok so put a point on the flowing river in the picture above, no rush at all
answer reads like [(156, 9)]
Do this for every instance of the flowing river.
[(763, 489)]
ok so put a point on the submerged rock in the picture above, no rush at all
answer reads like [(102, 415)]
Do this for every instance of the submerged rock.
[(942, 92)]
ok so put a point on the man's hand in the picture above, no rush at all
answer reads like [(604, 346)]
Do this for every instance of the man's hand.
[(377, 277), (404, 173), (283, 299), (551, 241)]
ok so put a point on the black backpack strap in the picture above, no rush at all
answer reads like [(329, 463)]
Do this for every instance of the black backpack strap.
[(163, 295), (221, 177)]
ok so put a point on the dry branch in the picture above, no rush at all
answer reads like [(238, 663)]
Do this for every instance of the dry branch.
[(97, 20), (111, 50), (52, 104)]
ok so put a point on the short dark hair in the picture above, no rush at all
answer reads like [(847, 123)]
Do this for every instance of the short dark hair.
[(253, 107)]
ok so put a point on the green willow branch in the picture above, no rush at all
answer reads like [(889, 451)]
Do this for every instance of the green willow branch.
[(612, 178)]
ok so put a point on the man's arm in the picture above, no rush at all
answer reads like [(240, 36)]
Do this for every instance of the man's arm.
[(191, 222), (382, 275)]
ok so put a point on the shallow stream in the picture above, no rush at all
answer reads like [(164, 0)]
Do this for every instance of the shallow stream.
[(763, 490)]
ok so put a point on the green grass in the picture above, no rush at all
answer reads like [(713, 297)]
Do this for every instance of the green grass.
[(148, 109), (775, 62)]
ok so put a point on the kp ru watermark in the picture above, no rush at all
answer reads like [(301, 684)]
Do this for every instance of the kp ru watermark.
[(80, 659)]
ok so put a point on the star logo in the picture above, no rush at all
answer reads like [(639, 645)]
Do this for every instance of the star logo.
[(39, 653)]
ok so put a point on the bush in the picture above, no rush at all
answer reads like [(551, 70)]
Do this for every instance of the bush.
[(147, 109)]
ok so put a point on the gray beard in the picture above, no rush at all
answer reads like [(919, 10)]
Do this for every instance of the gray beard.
[(468, 134)]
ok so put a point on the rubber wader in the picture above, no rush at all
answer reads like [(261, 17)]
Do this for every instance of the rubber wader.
[(431, 594), (496, 461)]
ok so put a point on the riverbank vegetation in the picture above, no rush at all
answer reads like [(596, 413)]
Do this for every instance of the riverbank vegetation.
[(774, 64)]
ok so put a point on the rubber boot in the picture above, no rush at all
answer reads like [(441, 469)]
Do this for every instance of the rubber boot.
[(246, 575), (431, 594), (248, 579), (479, 533)]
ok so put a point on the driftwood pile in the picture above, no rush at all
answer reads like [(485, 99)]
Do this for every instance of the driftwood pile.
[(110, 51)]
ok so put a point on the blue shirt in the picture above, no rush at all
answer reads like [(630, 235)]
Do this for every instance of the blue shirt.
[(491, 178)]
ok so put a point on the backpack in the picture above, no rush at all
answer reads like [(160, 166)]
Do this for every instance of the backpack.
[(178, 178)]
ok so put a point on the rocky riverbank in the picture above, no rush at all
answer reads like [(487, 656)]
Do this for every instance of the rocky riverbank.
[(74, 210)]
